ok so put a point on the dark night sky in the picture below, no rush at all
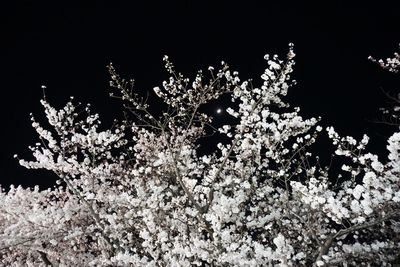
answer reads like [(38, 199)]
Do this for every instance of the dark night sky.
[(66, 47)]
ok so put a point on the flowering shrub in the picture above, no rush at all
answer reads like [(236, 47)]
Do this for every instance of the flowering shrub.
[(140, 193)]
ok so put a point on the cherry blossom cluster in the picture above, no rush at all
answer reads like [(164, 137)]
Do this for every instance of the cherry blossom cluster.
[(141, 194), (391, 64), (390, 115)]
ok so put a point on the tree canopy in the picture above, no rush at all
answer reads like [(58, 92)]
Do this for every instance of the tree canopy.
[(141, 194)]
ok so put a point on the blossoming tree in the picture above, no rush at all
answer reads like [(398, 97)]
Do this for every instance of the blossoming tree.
[(140, 194)]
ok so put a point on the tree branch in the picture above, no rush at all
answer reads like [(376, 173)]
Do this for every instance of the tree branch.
[(328, 242), (44, 258)]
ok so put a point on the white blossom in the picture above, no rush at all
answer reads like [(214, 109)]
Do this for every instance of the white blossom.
[(141, 194)]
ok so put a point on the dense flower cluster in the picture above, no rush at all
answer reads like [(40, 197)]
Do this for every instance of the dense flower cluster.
[(139, 194)]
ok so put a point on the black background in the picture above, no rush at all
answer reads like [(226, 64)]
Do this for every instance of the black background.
[(67, 47)]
